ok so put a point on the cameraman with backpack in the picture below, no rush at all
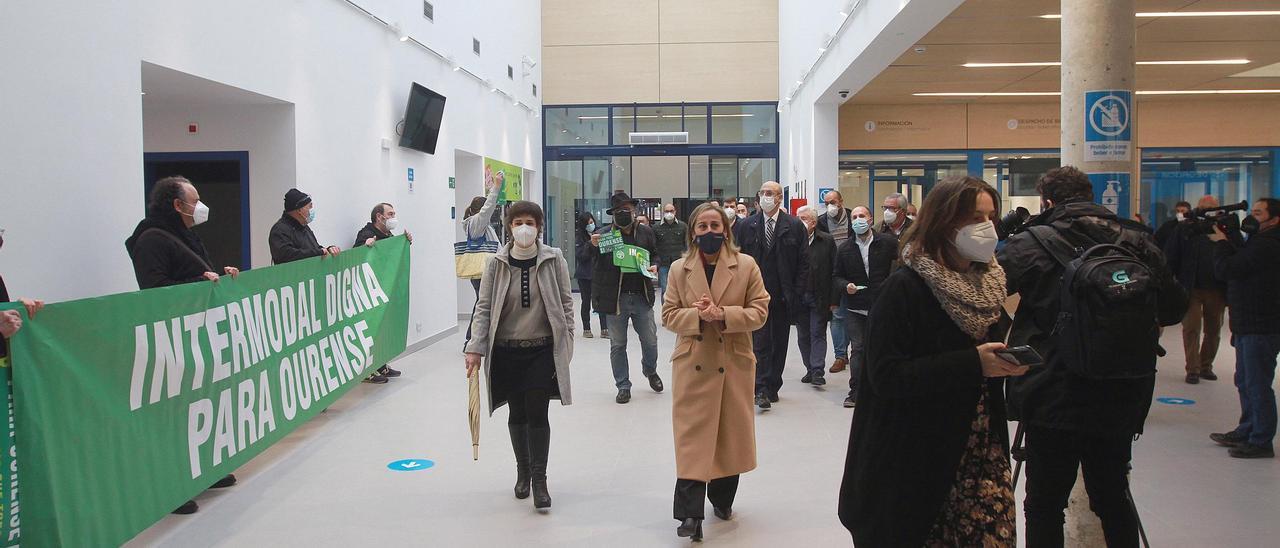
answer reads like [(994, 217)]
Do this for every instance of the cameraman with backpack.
[(1094, 315)]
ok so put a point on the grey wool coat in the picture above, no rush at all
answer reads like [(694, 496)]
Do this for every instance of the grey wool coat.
[(552, 275)]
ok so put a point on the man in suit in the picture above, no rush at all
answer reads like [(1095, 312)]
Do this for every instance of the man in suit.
[(896, 217), (811, 336), (779, 244), (863, 263)]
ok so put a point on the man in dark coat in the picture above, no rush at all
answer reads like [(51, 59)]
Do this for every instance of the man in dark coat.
[(838, 222), (382, 220), (291, 238), (1181, 212), (1070, 420), (777, 241), (864, 261), (627, 298), (1190, 255), (672, 235), (818, 299), (166, 252)]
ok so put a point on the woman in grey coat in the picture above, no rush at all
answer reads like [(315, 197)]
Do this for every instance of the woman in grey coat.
[(522, 330)]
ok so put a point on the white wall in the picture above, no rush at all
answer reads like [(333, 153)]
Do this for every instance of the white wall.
[(877, 32), (72, 140)]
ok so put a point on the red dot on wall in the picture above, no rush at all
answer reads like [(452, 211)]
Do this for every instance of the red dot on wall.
[(193, 128)]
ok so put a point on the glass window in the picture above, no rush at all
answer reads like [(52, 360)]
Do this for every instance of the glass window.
[(621, 172), (1231, 176), (658, 118), (724, 177), (577, 126), (564, 182), (595, 178), (624, 119), (699, 177), (744, 124), (855, 187), (753, 172), (695, 122)]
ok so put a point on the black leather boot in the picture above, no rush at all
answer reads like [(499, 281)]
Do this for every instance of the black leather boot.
[(520, 444), (690, 527), (539, 446)]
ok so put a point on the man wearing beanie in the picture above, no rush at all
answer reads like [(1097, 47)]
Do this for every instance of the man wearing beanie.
[(291, 238)]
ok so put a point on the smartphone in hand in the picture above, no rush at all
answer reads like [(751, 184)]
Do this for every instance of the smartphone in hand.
[(1021, 355)]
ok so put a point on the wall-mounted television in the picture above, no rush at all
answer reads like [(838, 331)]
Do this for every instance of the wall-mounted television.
[(422, 117)]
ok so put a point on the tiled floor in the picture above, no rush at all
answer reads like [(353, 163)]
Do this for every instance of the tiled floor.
[(611, 469)]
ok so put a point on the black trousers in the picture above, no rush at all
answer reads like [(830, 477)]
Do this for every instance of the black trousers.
[(1053, 456), (770, 345), (690, 495), (584, 289)]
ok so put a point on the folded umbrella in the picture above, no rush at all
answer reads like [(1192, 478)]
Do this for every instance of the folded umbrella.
[(473, 413)]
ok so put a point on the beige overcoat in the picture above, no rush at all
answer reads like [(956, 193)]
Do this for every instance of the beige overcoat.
[(713, 368)]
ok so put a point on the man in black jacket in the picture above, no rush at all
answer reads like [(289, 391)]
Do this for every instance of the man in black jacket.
[(863, 263), (838, 222), (1190, 256), (777, 241), (627, 297), (291, 238), (1181, 212), (811, 336), (1070, 420), (166, 252), (672, 236), (382, 220), (1253, 291)]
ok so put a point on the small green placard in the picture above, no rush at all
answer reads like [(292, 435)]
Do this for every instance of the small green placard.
[(610, 241), (452, 183), (632, 259)]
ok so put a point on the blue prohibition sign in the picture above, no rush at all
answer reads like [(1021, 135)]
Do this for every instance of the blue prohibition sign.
[(410, 465), (1176, 401)]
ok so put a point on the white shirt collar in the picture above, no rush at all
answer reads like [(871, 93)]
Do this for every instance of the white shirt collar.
[(776, 212)]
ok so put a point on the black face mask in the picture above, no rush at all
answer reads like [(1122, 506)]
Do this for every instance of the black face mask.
[(623, 218), (1250, 225), (710, 243)]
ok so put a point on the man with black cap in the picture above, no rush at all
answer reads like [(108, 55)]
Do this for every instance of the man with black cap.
[(165, 251), (291, 238), (627, 297), (382, 220)]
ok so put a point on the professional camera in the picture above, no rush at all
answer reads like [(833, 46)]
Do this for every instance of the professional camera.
[(1204, 219), (1012, 222)]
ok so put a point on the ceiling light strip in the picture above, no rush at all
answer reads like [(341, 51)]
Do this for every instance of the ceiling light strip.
[(1256, 13), (1058, 63), (1056, 93)]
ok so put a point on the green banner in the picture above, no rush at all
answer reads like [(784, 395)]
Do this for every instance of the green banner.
[(131, 404), (512, 179), (10, 527)]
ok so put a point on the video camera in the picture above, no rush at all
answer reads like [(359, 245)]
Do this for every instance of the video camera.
[(1012, 221), (1202, 220)]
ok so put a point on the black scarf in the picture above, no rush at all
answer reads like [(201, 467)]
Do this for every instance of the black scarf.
[(173, 225)]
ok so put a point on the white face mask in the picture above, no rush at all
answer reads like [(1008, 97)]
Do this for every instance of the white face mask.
[(890, 216), (199, 213), (525, 235), (977, 242), (668, 216), (833, 210), (392, 224), (729, 211), (1181, 217), (768, 203)]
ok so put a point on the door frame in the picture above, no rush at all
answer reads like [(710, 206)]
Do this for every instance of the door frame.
[(239, 156)]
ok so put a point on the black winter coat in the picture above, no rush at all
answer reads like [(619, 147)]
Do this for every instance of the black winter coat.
[(919, 396), (790, 254), (369, 231), (1050, 396), (606, 283), (1190, 257), (672, 241), (822, 262), (166, 253), (883, 255), (585, 256), (1252, 272), (292, 241)]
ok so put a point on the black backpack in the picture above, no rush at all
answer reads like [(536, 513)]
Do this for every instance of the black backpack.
[(1107, 326)]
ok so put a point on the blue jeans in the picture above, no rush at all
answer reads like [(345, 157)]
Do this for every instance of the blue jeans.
[(1255, 372), (811, 338), (634, 308), (856, 333), (663, 271), (839, 340)]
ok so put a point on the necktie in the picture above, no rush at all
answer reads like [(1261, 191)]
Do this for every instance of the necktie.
[(768, 234)]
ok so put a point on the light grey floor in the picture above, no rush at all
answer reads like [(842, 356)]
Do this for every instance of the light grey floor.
[(611, 469)]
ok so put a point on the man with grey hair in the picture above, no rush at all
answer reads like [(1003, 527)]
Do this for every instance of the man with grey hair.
[(818, 298), (895, 220)]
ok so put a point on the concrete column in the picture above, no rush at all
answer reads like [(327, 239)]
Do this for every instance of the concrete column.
[(1097, 54)]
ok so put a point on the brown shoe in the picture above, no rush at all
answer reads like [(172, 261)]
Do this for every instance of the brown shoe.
[(839, 365), (1208, 375)]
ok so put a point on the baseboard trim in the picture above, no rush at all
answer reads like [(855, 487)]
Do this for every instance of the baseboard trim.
[(415, 347)]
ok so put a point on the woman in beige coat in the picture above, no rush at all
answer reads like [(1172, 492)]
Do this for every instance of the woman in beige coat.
[(715, 299), (523, 332)]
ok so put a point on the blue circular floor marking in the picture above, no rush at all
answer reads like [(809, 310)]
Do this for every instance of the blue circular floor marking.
[(410, 465), (1176, 401)]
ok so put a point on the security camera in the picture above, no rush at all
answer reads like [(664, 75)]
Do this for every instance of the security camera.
[(844, 93)]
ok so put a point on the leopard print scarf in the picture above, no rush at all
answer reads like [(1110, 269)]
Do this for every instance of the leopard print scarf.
[(972, 299)]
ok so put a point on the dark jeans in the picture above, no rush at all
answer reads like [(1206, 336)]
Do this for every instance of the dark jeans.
[(855, 326), (691, 493), (475, 284), (770, 345), (1053, 456), (635, 308), (1255, 372), (584, 288), (811, 338)]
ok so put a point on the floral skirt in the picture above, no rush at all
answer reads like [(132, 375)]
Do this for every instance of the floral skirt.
[(979, 511)]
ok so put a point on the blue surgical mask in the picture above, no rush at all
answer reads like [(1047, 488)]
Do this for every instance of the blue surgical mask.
[(861, 226), (591, 227), (311, 216)]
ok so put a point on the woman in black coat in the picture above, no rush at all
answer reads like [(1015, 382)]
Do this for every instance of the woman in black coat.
[(585, 255), (927, 463)]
